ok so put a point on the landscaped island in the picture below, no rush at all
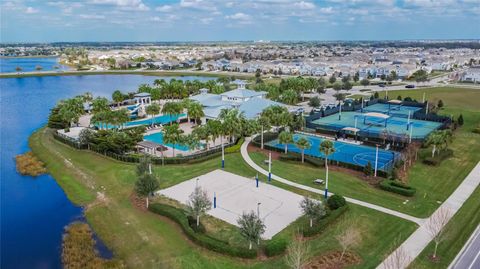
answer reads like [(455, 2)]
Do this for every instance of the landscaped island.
[(178, 140)]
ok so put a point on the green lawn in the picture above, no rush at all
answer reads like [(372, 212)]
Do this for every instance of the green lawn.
[(145, 240), (433, 184), (457, 232)]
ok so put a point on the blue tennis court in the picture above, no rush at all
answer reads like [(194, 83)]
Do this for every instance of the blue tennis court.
[(394, 110), (373, 126), (344, 152)]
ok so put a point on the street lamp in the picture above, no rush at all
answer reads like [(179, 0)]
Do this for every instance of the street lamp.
[(376, 161), (258, 209)]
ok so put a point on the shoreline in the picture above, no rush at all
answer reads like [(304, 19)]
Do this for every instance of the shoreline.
[(125, 72), (27, 57)]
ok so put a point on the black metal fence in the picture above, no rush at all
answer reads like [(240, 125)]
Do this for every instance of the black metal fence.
[(135, 158)]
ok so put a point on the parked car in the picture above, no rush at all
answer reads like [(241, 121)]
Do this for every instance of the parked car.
[(317, 110), (410, 86), (382, 85)]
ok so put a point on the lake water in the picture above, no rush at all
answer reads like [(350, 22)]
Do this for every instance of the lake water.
[(30, 64), (34, 211)]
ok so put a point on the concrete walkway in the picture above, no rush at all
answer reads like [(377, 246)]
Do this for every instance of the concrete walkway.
[(250, 162), (415, 244)]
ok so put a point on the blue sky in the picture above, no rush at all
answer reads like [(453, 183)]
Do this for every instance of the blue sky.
[(213, 20)]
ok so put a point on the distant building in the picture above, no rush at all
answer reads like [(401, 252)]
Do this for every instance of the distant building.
[(472, 75)]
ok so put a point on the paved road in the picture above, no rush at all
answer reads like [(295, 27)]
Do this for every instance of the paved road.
[(250, 162), (417, 241), (469, 256)]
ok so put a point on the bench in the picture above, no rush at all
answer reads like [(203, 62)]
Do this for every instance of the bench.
[(319, 181)]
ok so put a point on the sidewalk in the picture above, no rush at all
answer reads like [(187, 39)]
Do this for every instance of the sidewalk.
[(250, 162), (415, 244)]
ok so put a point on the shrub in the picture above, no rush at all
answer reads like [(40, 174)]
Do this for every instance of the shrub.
[(179, 216), (397, 187), (368, 170), (460, 120), (323, 223), (443, 155), (276, 246), (335, 201), (236, 147), (28, 164), (314, 101), (192, 222), (477, 130)]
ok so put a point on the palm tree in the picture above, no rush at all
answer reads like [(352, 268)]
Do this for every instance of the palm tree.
[(195, 111), (437, 139), (232, 122), (326, 147), (121, 116), (214, 127), (185, 104), (191, 141), (202, 132), (71, 110), (172, 136), (87, 97), (285, 138), (153, 109), (100, 104), (303, 144), (264, 122), (117, 97), (172, 108)]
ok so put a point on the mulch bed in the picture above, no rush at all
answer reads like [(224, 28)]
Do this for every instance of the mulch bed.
[(331, 260)]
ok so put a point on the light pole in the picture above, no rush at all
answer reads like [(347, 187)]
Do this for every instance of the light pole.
[(269, 166), (376, 161), (411, 132), (258, 209), (196, 183), (223, 157), (340, 111)]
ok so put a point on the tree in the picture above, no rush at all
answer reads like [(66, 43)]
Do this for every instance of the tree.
[(251, 227), (435, 139), (198, 203), (145, 185), (172, 108), (297, 254), (368, 170), (285, 138), (337, 86), (100, 104), (214, 128), (346, 79), (349, 238), (152, 110), (364, 82), (18, 69), (460, 120), (71, 110), (191, 141), (398, 257), (440, 103), (327, 148), (172, 136), (117, 97), (144, 165), (436, 226), (356, 77), (195, 111), (303, 144), (314, 102), (290, 97), (232, 122), (332, 79), (264, 123), (313, 209), (339, 96)]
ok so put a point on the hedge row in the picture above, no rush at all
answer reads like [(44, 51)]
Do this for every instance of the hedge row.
[(323, 223), (298, 158), (275, 246), (201, 239), (397, 187), (444, 154)]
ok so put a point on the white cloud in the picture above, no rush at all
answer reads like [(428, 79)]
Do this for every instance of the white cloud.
[(92, 16), (304, 5), (326, 10), (134, 5), (164, 8), (238, 16), (206, 20), (31, 10), (198, 4)]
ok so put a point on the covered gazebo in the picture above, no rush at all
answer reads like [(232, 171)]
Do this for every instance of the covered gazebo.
[(376, 115)]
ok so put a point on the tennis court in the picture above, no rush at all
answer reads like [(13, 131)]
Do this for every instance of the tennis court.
[(371, 126), (344, 152), (394, 110), (236, 194)]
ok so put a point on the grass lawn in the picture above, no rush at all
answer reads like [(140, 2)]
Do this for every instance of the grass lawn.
[(457, 232), (433, 184), (144, 240)]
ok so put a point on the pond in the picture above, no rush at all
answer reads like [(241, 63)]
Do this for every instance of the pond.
[(30, 64), (34, 211)]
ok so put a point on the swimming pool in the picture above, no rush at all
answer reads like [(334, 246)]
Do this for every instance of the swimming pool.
[(163, 119), (158, 138), (344, 152)]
